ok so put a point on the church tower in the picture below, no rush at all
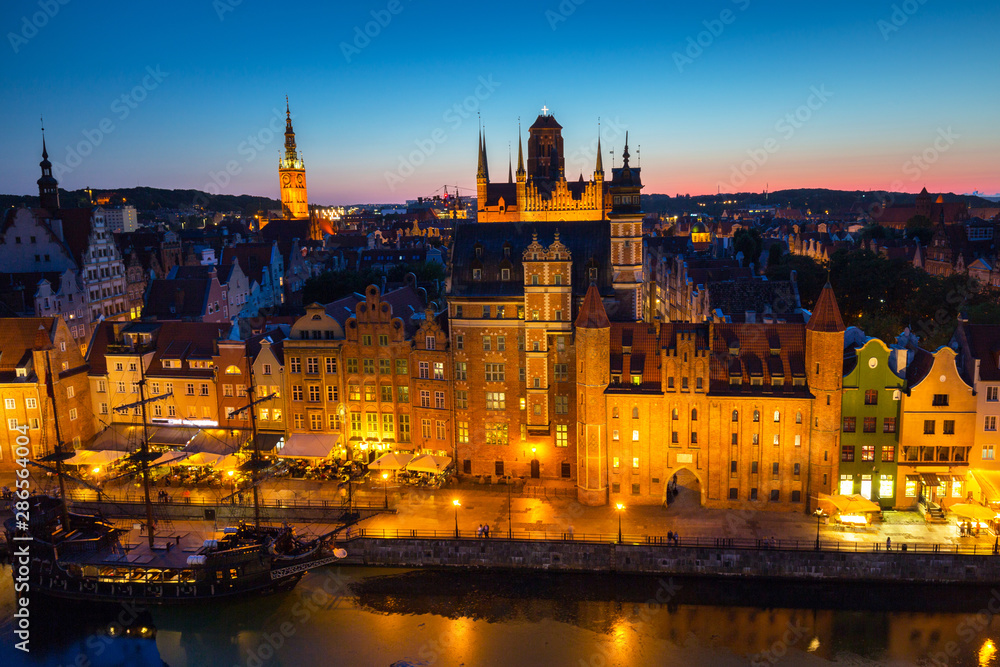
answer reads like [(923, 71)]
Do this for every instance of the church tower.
[(825, 374), (626, 235), (48, 186), (292, 176), (593, 345)]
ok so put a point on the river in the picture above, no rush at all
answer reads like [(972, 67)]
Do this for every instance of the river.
[(380, 617)]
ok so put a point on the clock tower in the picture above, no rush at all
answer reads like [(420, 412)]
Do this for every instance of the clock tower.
[(292, 176)]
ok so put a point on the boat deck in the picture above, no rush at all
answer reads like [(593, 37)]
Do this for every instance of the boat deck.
[(170, 549)]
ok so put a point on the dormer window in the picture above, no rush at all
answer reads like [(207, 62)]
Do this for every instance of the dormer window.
[(504, 274), (479, 251), (477, 274), (592, 273), (506, 250)]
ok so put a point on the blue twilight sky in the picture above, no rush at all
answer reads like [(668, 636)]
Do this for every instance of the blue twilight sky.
[(730, 95)]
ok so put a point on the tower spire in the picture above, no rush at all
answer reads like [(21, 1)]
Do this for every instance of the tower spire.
[(292, 160), (510, 165), (481, 170), (48, 186), (625, 153), (520, 151), (486, 157), (600, 160)]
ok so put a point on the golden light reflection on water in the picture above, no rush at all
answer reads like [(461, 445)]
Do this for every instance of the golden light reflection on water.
[(986, 653)]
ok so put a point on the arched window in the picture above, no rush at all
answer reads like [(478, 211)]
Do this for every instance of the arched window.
[(674, 414), (777, 416), (798, 417), (233, 370), (756, 415), (614, 413), (694, 414), (736, 415), (635, 413)]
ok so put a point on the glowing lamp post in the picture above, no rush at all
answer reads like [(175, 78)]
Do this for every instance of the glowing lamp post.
[(819, 514), (621, 508), (457, 505), (385, 486)]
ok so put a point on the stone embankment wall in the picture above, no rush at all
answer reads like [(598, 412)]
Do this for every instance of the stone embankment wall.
[(569, 556)]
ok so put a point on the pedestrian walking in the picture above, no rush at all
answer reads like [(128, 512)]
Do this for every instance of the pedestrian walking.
[(677, 539), (479, 531), (670, 536), (486, 530), (888, 544)]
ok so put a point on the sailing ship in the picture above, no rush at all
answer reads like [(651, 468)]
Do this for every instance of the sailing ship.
[(81, 556)]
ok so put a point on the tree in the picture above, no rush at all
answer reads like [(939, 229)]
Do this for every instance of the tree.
[(810, 276), (774, 254), (920, 227), (749, 242)]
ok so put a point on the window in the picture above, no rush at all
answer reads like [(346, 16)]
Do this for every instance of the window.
[(439, 400), (458, 312), (562, 435), (736, 415), (463, 432), (402, 367), (496, 400), (694, 437), (121, 387), (871, 397), (614, 434), (670, 382), (495, 373), (885, 489), (734, 493), (694, 414), (797, 469), (425, 399), (295, 364), (756, 415), (403, 394), (369, 366), (775, 495), (312, 365), (635, 462), (940, 400), (777, 416), (635, 436), (911, 487), (777, 439), (847, 454), (496, 434), (990, 424), (675, 437), (487, 343), (424, 370), (352, 365), (949, 427), (798, 417), (501, 343), (889, 425), (9, 403), (928, 427), (333, 394), (850, 424), (459, 342), (366, 340), (867, 452), (987, 452), (753, 494), (461, 399), (562, 405), (615, 463), (991, 394), (869, 424), (72, 414), (316, 422), (439, 431), (353, 392), (189, 389), (314, 393), (753, 467), (561, 372), (888, 453), (297, 392), (71, 392), (384, 367), (684, 384)]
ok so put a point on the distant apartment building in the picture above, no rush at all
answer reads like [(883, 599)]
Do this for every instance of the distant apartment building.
[(121, 219)]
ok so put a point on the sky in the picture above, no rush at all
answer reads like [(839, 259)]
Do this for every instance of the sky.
[(387, 95)]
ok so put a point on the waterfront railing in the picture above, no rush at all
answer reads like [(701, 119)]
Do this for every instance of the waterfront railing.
[(839, 546)]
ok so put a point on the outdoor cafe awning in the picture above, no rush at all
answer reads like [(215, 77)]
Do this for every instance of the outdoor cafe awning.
[(171, 436), (989, 483), (428, 463), (267, 441), (118, 438), (390, 461), (98, 458), (930, 479), (853, 504), (213, 441), (307, 446)]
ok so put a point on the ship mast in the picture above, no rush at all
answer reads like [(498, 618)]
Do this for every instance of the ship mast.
[(145, 455), (255, 461), (58, 456)]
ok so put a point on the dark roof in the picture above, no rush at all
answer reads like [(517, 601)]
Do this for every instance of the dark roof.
[(738, 296), (404, 301), (253, 258), (494, 191), (545, 122), (588, 242), (984, 344), (76, 225), (919, 367), (753, 345), (18, 339), (176, 299), (186, 340), (826, 316)]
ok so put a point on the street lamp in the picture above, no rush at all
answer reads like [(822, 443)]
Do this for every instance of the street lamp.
[(385, 486), (457, 505), (620, 507), (819, 515), (510, 524)]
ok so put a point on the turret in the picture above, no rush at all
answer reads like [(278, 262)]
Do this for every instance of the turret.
[(48, 186), (593, 356)]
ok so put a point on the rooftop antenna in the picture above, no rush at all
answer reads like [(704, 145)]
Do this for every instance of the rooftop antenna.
[(612, 159), (638, 154)]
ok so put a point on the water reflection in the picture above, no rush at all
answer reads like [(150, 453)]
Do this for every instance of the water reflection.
[(382, 617)]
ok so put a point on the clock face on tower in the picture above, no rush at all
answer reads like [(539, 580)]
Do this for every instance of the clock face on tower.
[(286, 179), (299, 180)]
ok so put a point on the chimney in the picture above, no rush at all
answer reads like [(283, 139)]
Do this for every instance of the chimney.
[(901, 360), (751, 317)]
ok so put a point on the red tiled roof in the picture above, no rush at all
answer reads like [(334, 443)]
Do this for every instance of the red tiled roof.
[(826, 316), (18, 337), (592, 313), (753, 359)]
